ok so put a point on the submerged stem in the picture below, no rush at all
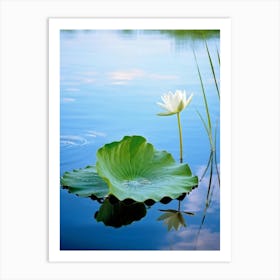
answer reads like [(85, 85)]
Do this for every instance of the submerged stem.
[(180, 136)]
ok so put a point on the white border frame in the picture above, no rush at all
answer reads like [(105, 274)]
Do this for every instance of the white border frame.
[(255, 102), (55, 254)]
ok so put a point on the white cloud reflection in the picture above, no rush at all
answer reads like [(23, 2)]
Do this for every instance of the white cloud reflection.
[(126, 75), (117, 77), (119, 83), (67, 100), (163, 77), (74, 80), (72, 89), (196, 200), (86, 80), (188, 239), (120, 77)]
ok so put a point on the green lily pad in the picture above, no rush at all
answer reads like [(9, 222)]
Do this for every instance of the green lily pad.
[(132, 168), (85, 182)]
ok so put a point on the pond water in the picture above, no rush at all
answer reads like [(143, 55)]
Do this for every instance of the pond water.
[(110, 84)]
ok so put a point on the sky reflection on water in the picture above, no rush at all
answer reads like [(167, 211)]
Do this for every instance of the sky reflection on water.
[(110, 84)]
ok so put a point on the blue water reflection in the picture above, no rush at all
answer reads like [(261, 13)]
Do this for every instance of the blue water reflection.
[(110, 83)]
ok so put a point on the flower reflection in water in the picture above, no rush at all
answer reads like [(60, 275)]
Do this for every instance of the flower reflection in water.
[(174, 218)]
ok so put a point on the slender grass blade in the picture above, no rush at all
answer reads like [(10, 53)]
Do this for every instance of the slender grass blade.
[(212, 69)]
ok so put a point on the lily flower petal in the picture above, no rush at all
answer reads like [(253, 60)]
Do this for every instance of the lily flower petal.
[(165, 114), (174, 103)]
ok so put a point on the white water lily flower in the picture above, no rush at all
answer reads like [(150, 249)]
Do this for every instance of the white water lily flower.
[(174, 103)]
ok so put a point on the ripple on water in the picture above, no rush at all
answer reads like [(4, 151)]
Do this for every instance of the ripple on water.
[(68, 141)]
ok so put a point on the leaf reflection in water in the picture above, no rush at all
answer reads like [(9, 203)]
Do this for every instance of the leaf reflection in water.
[(117, 213)]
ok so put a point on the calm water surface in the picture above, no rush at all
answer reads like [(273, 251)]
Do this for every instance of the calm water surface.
[(110, 83)]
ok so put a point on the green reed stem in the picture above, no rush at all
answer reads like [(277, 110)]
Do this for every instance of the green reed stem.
[(204, 95), (218, 57), (209, 132), (180, 136), (179, 205), (212, 69), (208, 164), (207, 201), (215, 158)]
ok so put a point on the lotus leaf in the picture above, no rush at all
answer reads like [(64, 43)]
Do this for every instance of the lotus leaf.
[(132, 168), (85, 182)]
